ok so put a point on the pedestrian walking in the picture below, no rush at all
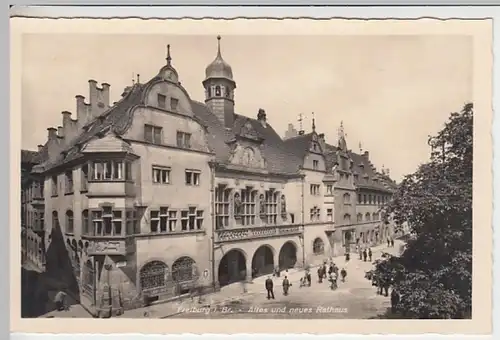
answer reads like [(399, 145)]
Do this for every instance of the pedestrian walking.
[(308, 278), (333, 281), (364, 255), (343, 274), (347, 257), (60, 300), (388, 242), (392, 242), (360, 254), (269, 288), (320, 275), (370, 254), (286, 285)]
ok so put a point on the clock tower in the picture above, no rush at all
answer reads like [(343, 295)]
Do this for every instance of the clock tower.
[(219, 89)]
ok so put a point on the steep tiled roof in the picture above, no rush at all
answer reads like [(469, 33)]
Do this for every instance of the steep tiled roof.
[(299, 145), (279, 159), (28, 156)]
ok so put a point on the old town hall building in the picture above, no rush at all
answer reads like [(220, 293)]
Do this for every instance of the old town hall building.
[(142, 199)]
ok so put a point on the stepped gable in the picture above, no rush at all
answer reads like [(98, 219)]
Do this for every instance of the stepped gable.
[(279, 159)]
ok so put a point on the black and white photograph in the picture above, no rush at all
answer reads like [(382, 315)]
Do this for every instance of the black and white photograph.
[(259, 176)]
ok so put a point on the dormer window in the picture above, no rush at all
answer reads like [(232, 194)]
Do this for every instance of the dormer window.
[(174, 102), (162, 99), (315, 165)]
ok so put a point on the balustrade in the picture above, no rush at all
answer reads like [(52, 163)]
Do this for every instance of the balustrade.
[(238, 234)]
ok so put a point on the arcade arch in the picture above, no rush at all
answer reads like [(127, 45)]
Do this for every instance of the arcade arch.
[(232, 267), (263, 261), (288, 255)]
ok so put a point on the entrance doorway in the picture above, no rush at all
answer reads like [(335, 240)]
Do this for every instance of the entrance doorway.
[(262, 262), (232, 268), (288, 256)]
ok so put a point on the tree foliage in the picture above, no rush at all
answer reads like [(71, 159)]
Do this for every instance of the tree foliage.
[(433, 275)]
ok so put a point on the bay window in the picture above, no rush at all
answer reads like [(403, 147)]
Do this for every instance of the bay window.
[(111, 170)]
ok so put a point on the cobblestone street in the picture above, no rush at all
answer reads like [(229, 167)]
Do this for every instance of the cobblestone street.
[(356, 298)]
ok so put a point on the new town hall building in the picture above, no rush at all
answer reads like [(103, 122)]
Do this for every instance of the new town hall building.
[(142, 199)]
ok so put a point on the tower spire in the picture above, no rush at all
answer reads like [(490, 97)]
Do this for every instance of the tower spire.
[(169, 58), (313, 123), (218, 46)]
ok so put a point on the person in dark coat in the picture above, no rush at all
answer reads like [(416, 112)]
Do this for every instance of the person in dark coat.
[(324, 270), (60, 300), (388, 242), (347, 257), (269, 288), (286, 285), (343, 274), (364, 255), (370, 254), (392, 242), (320, 275)]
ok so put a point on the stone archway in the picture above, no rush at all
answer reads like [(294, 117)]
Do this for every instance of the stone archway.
[(232, 267), (262, 261), (288, 255)]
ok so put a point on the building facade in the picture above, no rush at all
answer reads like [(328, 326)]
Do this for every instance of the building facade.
[(146, 198)]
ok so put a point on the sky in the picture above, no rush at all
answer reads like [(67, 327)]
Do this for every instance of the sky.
[(390, 92)]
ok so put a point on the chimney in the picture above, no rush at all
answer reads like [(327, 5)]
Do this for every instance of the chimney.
[(261, 117), (52, 133), (60, 132), (105, 94), (40, 147), (82, 110), (93, 92), (366, 154)]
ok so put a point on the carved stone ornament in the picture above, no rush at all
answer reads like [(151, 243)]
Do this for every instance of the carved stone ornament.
[(262, 205), (237, 205), (283, 204)]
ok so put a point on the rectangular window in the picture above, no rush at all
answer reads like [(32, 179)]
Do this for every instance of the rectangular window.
[(315, 189), (199, 219), (193, 177), (271, 206), (111, 170), (160, 220), (192, 218), (183, 140), (107, 222), (329, 189), (68, 185), (174, 102), (315, 164), (54, 188), (314, 214), (184, 220), (161, 175), (172, 220), (152, 134), (329, 215), (162, 100), (248, 204), (221, 207)]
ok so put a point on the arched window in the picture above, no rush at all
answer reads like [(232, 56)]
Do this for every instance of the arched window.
[(347, 198), (347, 218), (69, 222), (360, 198), (183, 269), (85, 222), (318, 246), (360, 217), (367, 217), (375, 217), (153, 275), (217, 91)]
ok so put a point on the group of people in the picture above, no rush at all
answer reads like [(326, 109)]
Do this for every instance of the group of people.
[(333, 274), (365, 253), (269, 284)]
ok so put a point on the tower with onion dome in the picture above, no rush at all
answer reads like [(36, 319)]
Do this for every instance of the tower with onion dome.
[(219, 88)]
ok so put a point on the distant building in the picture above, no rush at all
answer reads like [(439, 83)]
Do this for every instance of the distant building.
[(158, 193)]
